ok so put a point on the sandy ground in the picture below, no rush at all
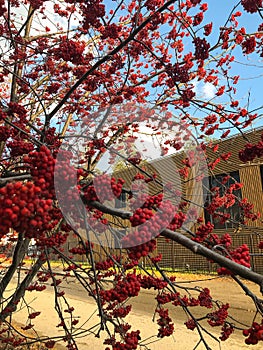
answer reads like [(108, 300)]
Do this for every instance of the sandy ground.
[(141, 317)]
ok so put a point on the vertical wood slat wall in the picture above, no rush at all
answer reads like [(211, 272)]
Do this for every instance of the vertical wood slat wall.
[(252, 190), (177, 257)]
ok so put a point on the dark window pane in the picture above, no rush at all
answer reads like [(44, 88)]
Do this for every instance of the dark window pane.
[(120, 202), (234, 211)]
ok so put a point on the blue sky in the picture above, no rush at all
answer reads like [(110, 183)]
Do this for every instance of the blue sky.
[(249, 67)]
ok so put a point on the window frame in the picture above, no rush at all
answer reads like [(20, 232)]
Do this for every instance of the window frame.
[(235, 211), (121, 201)]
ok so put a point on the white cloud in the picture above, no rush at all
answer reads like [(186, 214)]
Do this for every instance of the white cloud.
[(208, 90), (204, 90)]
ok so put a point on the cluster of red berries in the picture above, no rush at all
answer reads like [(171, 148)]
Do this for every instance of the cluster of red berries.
[(97, 221), (176, 299), (180, 73), (249, 45), (96, 144), (92, 10), (218, 317), (201, 48), (43, 276), (148, 282), (66, 183), (57, 282), (184, 172), (208, 29), (240, 255), (80, 249), (53, 88), (121, 312), (219, 202), (37, 287), (135, 253), (165, 322), (106, 264), (138, 176), (226, 331), (187, 96), (57, 239), (42, 165), (122, 329), (66, 175), (4, 133), (71, 267), (23, 210), (177, 221), (198, 18), (165, 298), (19, 147), (51, 138), (50, 344), (150, 202), (111, 31), (69, 310), (254, 333), (154, 223), (251, 5), (70, 50), (209, 120), (247, 210), (105, 188), (186, 301), (28, 326), (157, 258), (203, 232), (11, 340), (36, 3), (250, 152), (34, 315), (18, 111), (225, 240), (125, 287), (140, 216), (130, 342), (175, 143), (205, 298), (190, 324), (195, 2), (135, 160)]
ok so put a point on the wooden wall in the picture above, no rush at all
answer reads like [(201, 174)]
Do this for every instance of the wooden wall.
[(178, 257), (252, 190)]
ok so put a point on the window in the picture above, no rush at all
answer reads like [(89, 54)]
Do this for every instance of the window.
[(235, 211), (120, 202)]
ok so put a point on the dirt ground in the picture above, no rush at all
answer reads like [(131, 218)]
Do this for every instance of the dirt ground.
[(223, 289)]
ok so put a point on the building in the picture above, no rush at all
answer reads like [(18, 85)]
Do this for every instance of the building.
[(250, 174)]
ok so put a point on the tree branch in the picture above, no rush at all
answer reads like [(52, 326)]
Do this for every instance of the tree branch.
[(105, 58), (20, 291), (112, 211), (19, 252), (199, 249)]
